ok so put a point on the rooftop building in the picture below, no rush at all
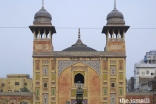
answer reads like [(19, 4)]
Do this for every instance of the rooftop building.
[(145, 69), (15, 83), (150, 57)]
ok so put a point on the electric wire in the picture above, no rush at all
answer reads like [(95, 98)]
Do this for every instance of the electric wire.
[(76, 28)]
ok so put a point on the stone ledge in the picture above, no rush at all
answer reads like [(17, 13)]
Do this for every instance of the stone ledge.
[(80, 53), (139, 93), (16, 94)]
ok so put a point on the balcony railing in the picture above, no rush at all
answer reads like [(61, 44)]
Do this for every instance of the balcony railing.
[(76, 84), (116, 39)]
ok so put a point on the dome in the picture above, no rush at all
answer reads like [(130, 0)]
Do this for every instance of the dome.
[(115, 13), (79, 46), (42, 17), (42, 13), (115, 18)]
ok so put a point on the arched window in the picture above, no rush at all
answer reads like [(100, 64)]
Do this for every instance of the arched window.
[(138, 72), (45, 99), (24, 102), (147, 72), (113, 71), (113, 99), (79, 77), (45, 70)]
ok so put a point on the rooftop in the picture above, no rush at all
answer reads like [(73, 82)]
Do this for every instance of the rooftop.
[(18, 75)]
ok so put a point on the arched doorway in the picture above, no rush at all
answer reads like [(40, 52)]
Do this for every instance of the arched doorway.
[(79, 77)]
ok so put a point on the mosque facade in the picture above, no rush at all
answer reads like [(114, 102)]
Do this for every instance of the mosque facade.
[(102, 73)]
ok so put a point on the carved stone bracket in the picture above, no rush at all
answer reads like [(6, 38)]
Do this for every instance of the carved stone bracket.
[(95, 64), (45, 61)]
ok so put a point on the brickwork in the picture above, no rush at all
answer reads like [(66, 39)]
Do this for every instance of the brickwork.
[(16, 97)]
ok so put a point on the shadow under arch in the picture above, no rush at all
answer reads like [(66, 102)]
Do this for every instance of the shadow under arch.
[(78, 77)]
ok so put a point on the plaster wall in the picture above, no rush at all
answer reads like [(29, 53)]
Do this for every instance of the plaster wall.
[(9, 84), (142, 72), (93, 87), (64, 87), (92, 84)]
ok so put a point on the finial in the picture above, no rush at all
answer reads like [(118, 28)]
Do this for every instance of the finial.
[(79, 33), (42, 3), (114, 4)]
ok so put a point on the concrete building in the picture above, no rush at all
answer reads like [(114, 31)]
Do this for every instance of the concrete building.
[(14, 82), (145, 69), (144, 86), (150, 57), (56, 73), (131, 84)]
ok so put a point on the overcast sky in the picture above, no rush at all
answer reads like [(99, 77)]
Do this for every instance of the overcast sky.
[(16, 43)]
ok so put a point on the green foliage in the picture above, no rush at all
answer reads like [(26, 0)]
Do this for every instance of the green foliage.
[(24, 89)]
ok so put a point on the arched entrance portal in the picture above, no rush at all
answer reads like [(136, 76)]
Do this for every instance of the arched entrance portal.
[(79, 77)]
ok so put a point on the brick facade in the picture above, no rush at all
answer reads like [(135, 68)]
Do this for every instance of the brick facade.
[(16, 97)]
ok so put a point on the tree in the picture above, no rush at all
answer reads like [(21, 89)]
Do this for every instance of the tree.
[(24, 89)]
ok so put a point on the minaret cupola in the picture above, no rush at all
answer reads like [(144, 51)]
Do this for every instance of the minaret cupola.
[(115, 30), (115, 17), (43, 30), (42, 17)]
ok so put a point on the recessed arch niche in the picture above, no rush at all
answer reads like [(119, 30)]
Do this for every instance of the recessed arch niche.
[(79, 77)]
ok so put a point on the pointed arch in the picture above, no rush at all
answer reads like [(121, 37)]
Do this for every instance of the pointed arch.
[(79, 77), (93, 64), (45, 98)]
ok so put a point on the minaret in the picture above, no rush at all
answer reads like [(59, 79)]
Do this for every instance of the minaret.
[(43, 30), (115, 30)]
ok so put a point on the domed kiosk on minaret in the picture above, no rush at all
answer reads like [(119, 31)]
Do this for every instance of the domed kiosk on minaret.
[(115, 27), (115, 17), (43, 30)]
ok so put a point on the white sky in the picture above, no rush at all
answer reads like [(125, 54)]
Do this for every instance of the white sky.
[(16, 43)]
